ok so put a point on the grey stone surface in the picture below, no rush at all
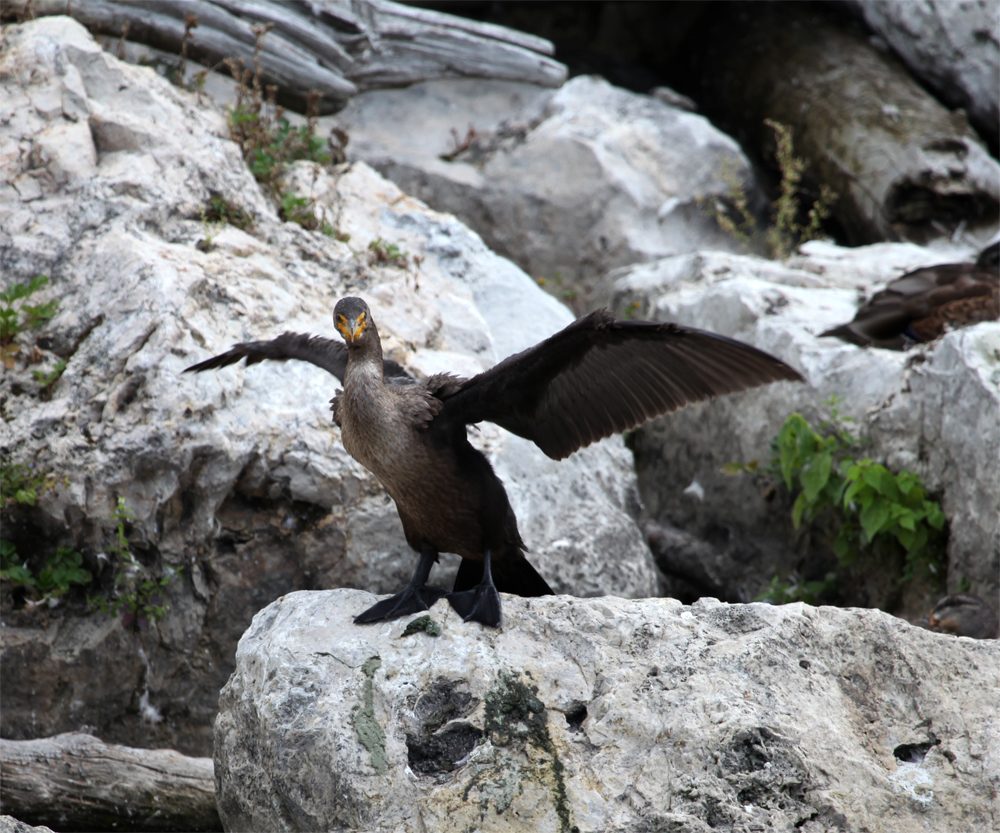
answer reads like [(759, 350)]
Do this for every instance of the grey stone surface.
[(952, 46), (934, 409), (566, 183), (607, 715), (9, 824), (238, 475)]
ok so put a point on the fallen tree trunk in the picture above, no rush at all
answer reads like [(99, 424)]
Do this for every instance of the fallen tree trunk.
[(334, 47), (904, 167), (77, 782)]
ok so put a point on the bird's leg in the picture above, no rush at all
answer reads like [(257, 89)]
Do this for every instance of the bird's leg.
[(481, 603), (415, 597)]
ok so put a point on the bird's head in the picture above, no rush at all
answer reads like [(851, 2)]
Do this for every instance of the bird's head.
[(989, 258), (352, 317)]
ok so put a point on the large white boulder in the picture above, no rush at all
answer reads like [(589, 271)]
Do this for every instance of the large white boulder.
[(566, 183), (603, 715), (953, 47), (934, 409), (237, 475)]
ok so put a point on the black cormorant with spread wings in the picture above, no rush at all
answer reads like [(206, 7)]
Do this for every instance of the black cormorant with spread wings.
[(597, 377)]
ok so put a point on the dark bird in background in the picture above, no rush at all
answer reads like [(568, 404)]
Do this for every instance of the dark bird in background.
[(593, 379), (963, 614), (922, 305)]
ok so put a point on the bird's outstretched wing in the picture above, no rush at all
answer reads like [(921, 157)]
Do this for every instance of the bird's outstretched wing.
[(323, 352), (600, 377)]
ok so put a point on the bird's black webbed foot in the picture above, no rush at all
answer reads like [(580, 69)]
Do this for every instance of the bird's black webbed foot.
[(481, 603), (414, 598), (410, 600)]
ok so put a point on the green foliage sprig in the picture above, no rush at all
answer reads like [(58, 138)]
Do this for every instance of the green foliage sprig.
[(269, 143), (297, 209), (14, 320), (23, 483), (874, 501), (385, 253), (220, 210), (62, 570), (266, 138), (138, 595), (47, 380), (875, 507), (785, 231)]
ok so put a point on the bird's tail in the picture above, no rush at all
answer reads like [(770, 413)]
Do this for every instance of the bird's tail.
[(515, 575)]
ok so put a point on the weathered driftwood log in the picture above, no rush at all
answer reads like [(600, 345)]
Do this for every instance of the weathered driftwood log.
[(335, 47), (77, 782), (904, 167)]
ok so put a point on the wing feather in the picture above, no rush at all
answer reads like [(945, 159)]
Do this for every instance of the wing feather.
[(600, 376), (326, 353)]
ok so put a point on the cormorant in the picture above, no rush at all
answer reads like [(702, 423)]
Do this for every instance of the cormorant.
[(597, 377), (964, 614), (921, 305)]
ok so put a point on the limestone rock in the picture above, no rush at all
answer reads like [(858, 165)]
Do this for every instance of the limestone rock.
[(9, 824), (953, 47), (934, 409), (238, 475), (568, 184), (606, 715)]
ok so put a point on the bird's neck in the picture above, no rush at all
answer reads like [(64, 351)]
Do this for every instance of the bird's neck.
[(365, 369)]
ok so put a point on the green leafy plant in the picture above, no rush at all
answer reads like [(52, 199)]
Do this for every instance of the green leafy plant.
[(138, 597), (785, 231), (11, 569), (876, 509), (266, 138), (269, 141), (386, 253), (16, 316), (47, 380), (22, 483), (330, 231), (62, 570), (220, 210), (785, 591), (298, 210)]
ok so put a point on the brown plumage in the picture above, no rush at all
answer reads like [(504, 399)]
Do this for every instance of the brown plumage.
[(964, 614), (595, 378), (922, 305)]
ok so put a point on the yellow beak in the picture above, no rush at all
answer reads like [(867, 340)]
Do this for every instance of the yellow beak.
[(351, 330)]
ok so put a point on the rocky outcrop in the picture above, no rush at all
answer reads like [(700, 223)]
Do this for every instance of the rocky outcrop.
[(238, 476), (953, 47), (566, 183), (606, 715), (9, 824), (934, 410)]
